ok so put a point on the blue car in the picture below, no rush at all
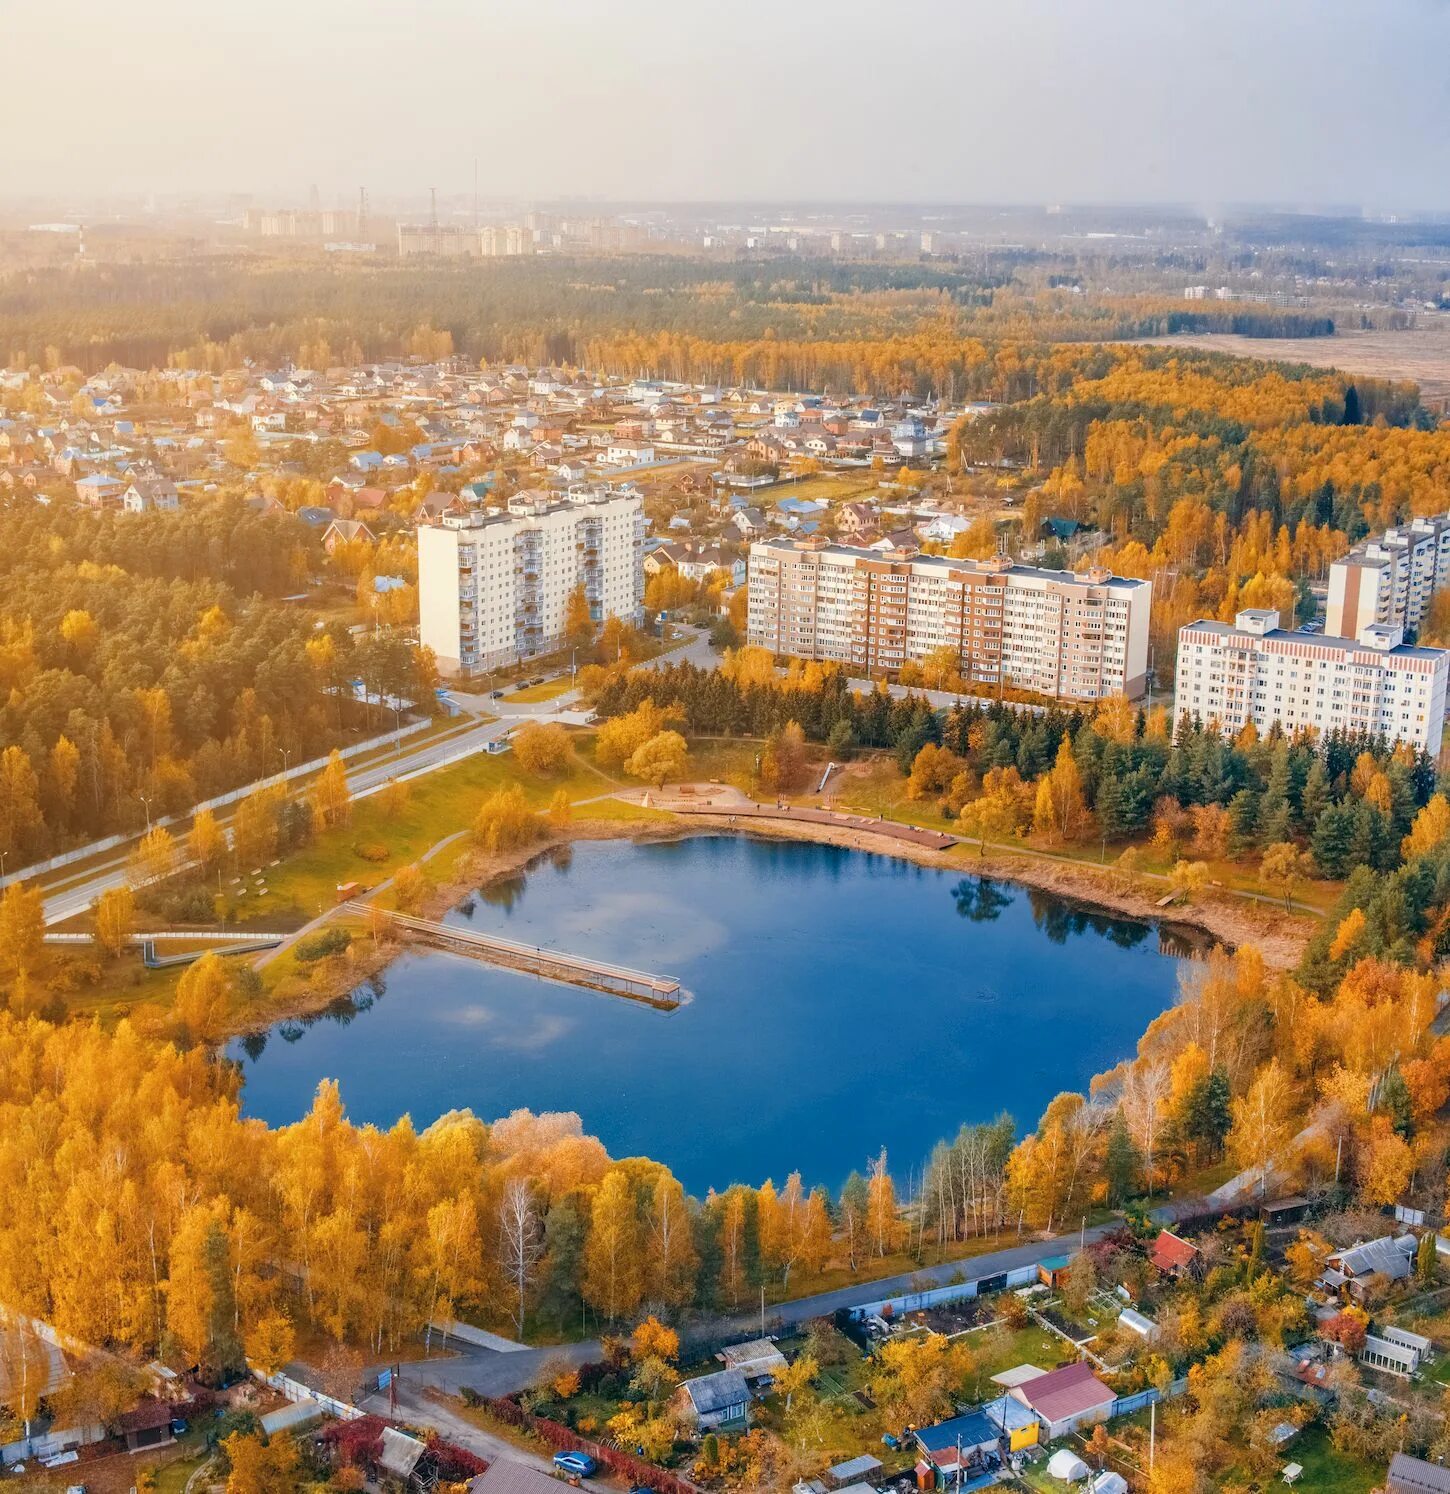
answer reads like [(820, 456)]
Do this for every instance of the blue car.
[(581, 1465)]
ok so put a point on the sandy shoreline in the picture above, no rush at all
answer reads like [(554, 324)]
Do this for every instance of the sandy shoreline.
[(1229, 920)]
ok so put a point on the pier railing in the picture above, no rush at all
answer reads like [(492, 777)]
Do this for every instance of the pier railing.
[(553, 964)]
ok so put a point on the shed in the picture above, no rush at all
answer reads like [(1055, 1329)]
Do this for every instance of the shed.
[(759, 1359), (1065, 1464), (1017, 1424), (400, 1453), (1053, 1271), (1409, 1475), (505, 1477), (146, 1425), (854, 1470)]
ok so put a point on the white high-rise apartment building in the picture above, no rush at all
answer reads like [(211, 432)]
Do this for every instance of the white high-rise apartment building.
[(1074, 637), (1255, 671), (494, 587), (1390, 579)]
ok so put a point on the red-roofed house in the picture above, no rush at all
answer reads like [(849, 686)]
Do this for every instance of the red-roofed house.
[(1173, 1256), (1066, 1399)]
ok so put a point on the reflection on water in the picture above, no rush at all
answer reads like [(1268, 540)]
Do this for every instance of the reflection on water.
[(842, 1001)]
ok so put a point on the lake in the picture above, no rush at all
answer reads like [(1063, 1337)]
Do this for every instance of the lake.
[(840, 1002)]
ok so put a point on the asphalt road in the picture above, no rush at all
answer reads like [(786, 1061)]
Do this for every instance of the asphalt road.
[(491, 1372), (362, 781)]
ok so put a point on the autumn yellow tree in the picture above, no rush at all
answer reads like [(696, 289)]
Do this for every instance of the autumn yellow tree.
[(329, 797), (1263, 1123), (622, 736), (614, 1255), (203, 999), (578, 619), (1060, 811), (541, 748), (664, 756), (22, 929), (154, 859), (207, 842), (115, 920), (505, 821)]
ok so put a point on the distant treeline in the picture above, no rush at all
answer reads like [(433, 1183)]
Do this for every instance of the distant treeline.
[(215, 313)]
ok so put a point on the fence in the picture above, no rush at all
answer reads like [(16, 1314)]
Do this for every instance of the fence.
[(641, 1475), (111, 842), (296, 1391), (1125, 1405), (956, 1292)]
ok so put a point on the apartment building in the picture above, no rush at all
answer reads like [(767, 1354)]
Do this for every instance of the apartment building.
[(1255, 671), (495, 587), (1075, 637), (1390, 579)]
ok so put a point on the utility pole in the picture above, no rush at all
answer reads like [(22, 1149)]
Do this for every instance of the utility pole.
[(1152, 1432)]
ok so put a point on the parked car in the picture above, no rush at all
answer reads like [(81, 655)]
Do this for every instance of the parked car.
[(580, 1464)]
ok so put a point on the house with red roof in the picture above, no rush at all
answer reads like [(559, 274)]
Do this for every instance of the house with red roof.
[(1172, 1256), (1065, 1399)]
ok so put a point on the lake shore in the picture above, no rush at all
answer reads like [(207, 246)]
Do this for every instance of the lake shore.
[(1227, 919)]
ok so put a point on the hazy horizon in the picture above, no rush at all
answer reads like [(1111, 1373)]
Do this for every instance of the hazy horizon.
[(922, 102)]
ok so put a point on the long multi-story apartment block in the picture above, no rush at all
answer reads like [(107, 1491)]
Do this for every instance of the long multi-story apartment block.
[(495, 587), (1073, 637), (1255, 671), (1390, 579)]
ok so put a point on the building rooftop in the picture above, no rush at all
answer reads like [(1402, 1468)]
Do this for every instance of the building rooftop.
[(1213, 629)]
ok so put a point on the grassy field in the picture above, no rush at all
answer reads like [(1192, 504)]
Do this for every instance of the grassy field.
[(874, 786), (1421, 353), (549, 690), (1327, 1471)]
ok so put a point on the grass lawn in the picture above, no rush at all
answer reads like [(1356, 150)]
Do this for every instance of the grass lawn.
[(874, 786), (439, 804), (1325, 1470), (1000, 1349), (549, 690)]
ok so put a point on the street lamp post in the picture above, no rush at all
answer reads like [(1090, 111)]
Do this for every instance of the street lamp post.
[(146, 801)]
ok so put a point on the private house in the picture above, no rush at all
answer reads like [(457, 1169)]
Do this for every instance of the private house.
[(1065, 1399), (345, 532), (1172, 1256), (1409, 1475), (100, 491), (713, 1402), (664, 557), (958, 1448), (749, 521), (147, 493), (853, 518), (1360, 1270), (628, 453)]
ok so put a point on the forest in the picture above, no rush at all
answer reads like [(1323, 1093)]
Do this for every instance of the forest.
[(212, 314), (147, 663)]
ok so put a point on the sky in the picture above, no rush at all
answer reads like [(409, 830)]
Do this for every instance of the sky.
[(1025, 101)]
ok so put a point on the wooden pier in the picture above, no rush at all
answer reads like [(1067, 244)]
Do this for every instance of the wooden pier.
[(662, 991)]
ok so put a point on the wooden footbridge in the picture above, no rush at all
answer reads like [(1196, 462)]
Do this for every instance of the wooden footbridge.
[(662, 991)]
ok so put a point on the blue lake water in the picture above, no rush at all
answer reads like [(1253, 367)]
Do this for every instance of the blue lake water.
[(842, 1002)]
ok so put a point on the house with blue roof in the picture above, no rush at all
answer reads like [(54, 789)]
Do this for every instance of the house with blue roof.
[(961, 1448)]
